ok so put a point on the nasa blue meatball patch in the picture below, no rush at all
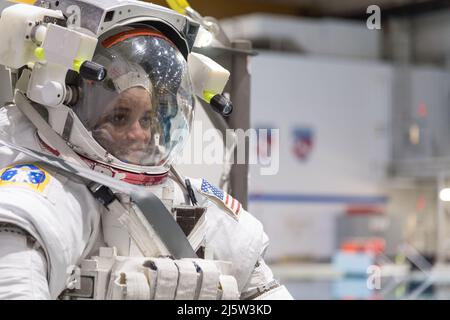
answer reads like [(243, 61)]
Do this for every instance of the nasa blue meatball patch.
[(25, 175)]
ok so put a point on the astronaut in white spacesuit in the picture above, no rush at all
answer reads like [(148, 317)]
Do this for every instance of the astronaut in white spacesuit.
[(58, 238)]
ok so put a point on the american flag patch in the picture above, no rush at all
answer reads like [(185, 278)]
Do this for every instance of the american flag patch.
[(230, 203)]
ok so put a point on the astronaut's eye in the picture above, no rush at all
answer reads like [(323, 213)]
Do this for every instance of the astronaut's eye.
[(146, 121), (119, 117)]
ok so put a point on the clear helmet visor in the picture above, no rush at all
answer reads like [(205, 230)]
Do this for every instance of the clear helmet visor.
[(142, 112)]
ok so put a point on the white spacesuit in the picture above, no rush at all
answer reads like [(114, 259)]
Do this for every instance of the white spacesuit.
[(62, 236)]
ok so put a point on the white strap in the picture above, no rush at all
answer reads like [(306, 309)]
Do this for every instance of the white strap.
[(229, 287), (127, 280), (115, 234), (137, 286), (209, 283), (167, 279), (187, 280), (134, 288), (152, 276)]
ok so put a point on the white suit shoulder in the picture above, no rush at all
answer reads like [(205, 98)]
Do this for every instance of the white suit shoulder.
[(233, 234), (54, 210), (59, 212)]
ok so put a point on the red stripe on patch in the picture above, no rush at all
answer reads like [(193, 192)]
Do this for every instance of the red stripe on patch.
[(232, 204), (238, 208), (226, 199)]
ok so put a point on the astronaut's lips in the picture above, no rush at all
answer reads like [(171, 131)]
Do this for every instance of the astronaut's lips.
[(136, 150)]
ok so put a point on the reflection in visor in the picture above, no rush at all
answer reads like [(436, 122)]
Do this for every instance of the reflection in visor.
[(166, 112)]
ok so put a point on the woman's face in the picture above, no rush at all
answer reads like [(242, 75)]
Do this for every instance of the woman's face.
[(125, 127)]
